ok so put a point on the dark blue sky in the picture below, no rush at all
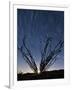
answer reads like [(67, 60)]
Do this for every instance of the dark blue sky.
[(36, 25)]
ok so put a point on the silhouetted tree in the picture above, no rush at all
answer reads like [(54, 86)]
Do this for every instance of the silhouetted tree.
[(48, 56)]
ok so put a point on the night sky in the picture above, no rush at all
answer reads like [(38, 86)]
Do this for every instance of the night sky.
[(37, 25)]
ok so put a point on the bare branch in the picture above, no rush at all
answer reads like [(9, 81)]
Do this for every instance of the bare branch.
[(51, 58), (44, 52), (28, 57)]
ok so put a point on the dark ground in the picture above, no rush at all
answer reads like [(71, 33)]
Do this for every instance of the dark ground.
[(56, 74)]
